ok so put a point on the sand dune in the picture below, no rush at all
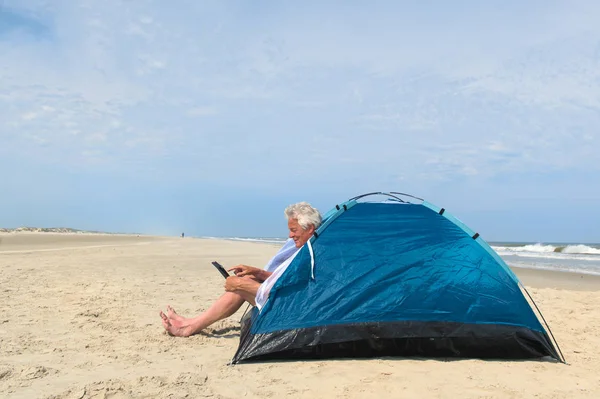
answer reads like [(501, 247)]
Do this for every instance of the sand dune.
[(80, 320)]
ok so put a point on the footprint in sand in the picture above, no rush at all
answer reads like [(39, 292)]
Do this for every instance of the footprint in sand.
[(12, 377), (184, 385), (35, 372), (5, 373)]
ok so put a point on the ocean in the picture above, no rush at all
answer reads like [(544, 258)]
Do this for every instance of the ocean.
[(564, 257), (578, 258)]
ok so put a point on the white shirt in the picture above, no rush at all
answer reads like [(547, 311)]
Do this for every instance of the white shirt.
[(287, 250), (277, 265)]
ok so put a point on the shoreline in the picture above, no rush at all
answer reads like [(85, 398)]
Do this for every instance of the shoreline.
[(562, 280)]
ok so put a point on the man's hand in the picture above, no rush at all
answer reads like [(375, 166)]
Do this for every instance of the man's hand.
[(232, 283), (243, 286), (249, 271)]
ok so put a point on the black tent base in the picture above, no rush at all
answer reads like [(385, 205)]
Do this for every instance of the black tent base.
[(367, 340)]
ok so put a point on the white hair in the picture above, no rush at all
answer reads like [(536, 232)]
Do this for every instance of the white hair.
[(305, 214)]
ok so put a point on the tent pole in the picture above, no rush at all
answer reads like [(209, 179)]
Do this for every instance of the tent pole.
[(546, 323)]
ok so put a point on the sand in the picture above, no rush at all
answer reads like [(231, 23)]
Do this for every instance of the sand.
[(79, 319)]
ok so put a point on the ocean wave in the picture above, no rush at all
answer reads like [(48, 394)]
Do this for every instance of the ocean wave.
[(578, 249)]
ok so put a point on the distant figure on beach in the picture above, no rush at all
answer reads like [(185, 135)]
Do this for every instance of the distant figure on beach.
[(250, 284), (182, 235)]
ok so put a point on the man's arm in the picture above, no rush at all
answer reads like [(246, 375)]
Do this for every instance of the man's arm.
[(263, 275), (250, 271)]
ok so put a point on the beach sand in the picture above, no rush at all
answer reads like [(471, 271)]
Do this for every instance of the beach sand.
[(79, 319)]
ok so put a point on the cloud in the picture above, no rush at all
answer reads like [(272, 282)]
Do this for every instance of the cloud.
[(468, 104), (403, 89)]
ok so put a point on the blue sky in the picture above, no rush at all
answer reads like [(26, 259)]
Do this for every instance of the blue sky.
[(211, 117)]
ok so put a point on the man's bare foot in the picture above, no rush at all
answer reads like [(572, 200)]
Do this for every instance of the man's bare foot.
[(176, 328), (172, 314)]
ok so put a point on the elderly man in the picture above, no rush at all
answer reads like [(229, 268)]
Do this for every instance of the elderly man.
[(302, 220)]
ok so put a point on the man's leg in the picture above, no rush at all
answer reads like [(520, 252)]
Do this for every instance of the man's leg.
[(250, 298), (225, 306)]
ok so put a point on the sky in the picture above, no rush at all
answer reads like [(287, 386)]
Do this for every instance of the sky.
[(210, 117)]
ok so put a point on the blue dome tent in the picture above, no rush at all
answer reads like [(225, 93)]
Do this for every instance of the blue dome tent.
[(394, 277)]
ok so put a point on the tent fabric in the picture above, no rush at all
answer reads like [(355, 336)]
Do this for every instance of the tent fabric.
[(394, 279)]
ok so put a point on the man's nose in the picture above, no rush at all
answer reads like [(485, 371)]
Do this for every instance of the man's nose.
[(291, 235)]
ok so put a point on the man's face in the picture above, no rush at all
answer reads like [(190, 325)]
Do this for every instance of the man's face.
[(298, 234)]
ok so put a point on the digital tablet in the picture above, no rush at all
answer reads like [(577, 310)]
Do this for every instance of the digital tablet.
[(221, 269)]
